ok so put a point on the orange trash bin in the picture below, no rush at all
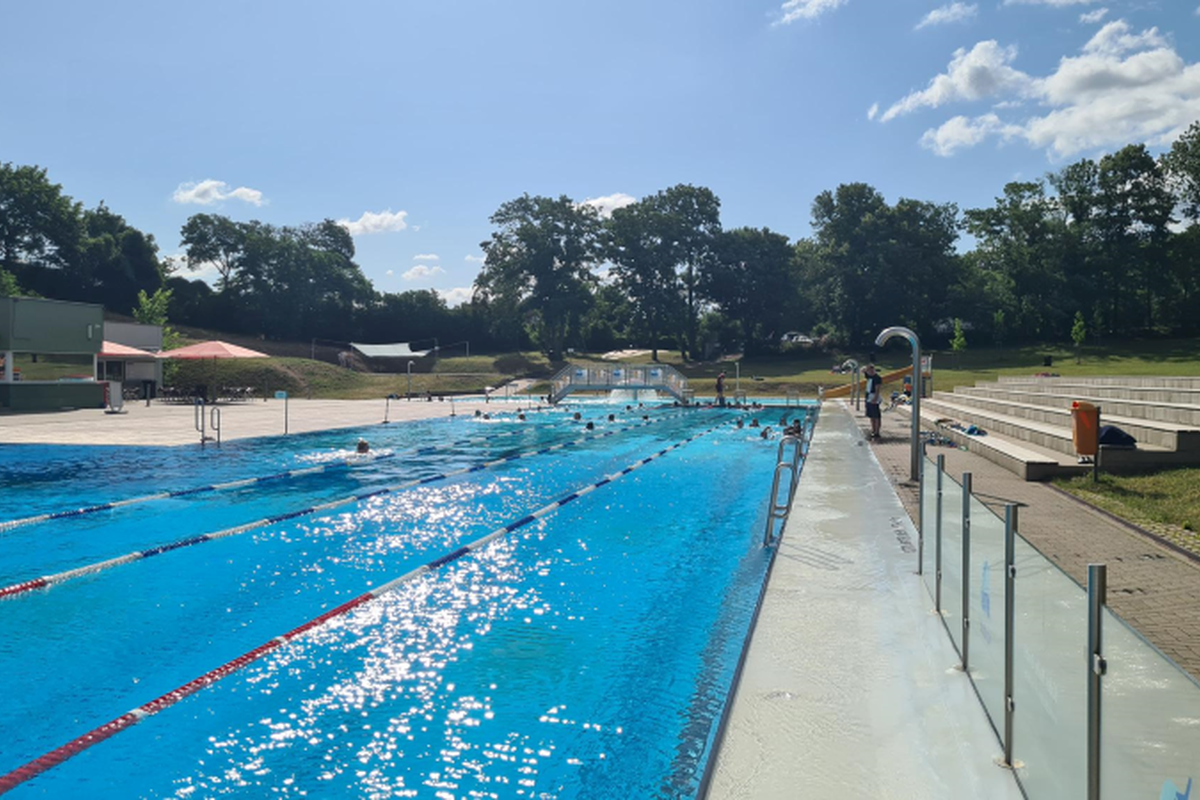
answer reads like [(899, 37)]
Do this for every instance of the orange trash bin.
[(1085, 428)]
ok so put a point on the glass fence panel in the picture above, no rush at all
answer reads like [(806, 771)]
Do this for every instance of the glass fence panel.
[(987, 609), (1150, 720), (952, 559), (1050, 673), (929, 518)]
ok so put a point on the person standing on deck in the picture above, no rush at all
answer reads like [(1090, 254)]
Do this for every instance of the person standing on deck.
[(721, 390), (872, 398)]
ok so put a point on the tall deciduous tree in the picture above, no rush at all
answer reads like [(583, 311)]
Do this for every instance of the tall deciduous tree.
[(541, 261), (216, 240), (639, 247), (754, 282)]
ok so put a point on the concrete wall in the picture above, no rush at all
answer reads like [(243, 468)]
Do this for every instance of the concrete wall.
[(133, 334), (33, 325), (51, 396)]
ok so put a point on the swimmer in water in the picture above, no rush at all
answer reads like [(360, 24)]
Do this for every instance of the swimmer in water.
[(591, 426), (363, 447), (612, 417)]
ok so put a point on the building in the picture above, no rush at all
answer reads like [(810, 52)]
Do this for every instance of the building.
[(48, 349)]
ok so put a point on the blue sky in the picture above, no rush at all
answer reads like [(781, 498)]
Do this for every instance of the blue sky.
[(413, 120)]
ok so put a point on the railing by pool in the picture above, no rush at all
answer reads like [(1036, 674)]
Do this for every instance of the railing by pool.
[(1083, 706), (657, 377)]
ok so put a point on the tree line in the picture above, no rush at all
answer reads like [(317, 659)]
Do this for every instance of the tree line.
[(1112, 242)]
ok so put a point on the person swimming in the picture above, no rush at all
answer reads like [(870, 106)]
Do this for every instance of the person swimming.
[(591, 426), (363, 447)]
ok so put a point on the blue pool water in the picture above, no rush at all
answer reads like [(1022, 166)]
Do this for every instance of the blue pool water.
[(589, 654)]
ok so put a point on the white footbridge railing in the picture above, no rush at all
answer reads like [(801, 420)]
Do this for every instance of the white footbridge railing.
[(657, 377)]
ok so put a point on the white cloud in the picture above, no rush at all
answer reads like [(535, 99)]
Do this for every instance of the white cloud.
[(209, 191), (474, 259), (372, 222), (1055, 3), (1123, 86), (456, 296), (955, 12), (1092, 17), (873, 111), (426, 257), (981, 72), (389, 273), (793, 10), (607, 204), (960, 132), (422, 271)]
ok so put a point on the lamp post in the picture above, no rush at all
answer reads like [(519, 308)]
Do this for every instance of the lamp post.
[(852, 365), (884, 336), (409, 398)]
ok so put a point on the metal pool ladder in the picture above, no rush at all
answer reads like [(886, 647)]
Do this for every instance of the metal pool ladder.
[(791, 450)]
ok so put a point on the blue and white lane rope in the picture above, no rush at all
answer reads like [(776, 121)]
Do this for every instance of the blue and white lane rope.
[(78, 745), (47, 581), (348, 463), (244, 482)]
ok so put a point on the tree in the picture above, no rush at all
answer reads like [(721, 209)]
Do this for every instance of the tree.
[(116, 261), (637, 243), (39, 225), (8, 284), (541, 261), (959, 343), (1182, 166), (753, 280), (216, 240), (690, 220), (1078, 333)]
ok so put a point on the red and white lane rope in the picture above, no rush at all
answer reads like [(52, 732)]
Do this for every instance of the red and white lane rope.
[(111, 728)]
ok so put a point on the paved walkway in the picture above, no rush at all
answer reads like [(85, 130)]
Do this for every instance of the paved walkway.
[(847, 689), (1152, 587), (174, 423)]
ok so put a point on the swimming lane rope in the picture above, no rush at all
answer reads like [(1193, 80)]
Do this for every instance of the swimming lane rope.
[(107, 730), (348, 463), (57, 578)]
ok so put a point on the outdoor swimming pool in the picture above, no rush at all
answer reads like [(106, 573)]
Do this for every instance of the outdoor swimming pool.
[(585, 651)]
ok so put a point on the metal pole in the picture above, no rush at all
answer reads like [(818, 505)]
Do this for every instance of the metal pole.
[(915, 341), (1010, 615), (1097, 597), (921, 516), (966, 570), (937, 532), (409, 398), (387, 409)]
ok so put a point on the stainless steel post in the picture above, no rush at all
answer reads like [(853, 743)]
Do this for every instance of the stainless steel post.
[(1010, 614), (937, 533), (199, 420), (915, 341), (1097, 597), (966, 570), (921, 516)]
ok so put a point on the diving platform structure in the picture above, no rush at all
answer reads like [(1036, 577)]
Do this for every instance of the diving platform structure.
[(631, 378)]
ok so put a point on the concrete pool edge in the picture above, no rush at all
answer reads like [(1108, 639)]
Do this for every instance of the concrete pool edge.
[(859, 695)]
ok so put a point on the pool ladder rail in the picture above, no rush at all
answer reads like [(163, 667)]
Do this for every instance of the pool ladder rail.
[(213, 421), (792, 450)]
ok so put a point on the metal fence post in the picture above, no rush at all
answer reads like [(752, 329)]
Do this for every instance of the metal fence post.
[(1010, 614), (1097, 598), (921, 516), (937, 532), (966, 570)]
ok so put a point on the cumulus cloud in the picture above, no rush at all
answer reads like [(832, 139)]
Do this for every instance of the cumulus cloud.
[(1092, 17), (793, 10), (456, 296), (209, 191), (975, 74), (1055, 3), (955, 12), (474, 259), (422, 271), (389, 273), (873, 111), (607, 204), (1123, 86), (375, 222), (426, 257)]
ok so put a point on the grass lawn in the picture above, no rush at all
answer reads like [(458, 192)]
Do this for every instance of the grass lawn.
[(1166, 503)]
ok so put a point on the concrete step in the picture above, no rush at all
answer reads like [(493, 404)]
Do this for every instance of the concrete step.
[(1150, 394), (1144, 382), (1029, 461), (1051, 427), (1187, 416)]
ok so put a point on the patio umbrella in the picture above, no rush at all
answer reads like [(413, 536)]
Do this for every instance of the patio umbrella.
[(114, 350), (210, 351)]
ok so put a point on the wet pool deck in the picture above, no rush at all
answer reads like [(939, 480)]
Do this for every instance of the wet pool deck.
[(849, 688), (162, 424)]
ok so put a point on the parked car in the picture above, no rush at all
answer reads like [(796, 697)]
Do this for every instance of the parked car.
[(795, 337)]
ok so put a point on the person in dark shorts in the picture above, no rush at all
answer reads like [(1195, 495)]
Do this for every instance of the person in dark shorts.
[(721, 390), (872, 398)]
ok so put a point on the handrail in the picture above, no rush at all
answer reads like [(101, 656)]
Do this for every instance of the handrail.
[(199, 421), (639, 376), (775, 509), (214, 420)]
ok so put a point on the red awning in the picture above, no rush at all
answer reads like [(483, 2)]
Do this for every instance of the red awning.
[(213, 349), (113, 350)]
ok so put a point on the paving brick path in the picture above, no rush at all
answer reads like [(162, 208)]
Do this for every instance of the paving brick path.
[(1153, 588)]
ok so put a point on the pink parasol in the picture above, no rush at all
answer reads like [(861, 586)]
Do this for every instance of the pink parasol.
[(114, 350), (213, 349)]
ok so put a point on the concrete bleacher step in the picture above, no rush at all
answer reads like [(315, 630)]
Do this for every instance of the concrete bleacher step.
[(1145, 382), (1009, 415), (1029, 461), (1148, 394), (1184, 414)]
